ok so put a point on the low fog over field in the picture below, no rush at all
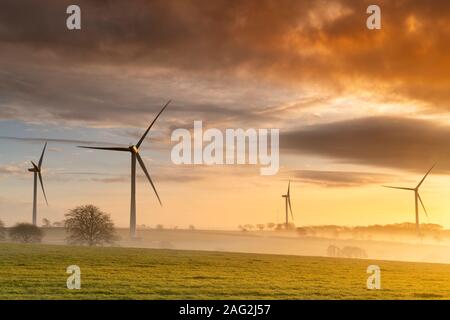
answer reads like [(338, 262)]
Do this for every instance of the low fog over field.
[(426, 249)]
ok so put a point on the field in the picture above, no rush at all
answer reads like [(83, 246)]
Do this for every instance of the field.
[(39, 272)]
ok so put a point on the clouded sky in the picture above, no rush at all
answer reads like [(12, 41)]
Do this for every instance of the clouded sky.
[(356, 108)]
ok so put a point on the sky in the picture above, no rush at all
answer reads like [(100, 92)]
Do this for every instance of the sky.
[(356, 108)]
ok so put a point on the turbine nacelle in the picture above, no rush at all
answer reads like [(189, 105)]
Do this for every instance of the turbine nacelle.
[(35, 168), (133, 149)]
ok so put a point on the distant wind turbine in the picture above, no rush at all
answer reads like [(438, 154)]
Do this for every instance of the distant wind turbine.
[(417, 197), (37, 171), (288, 205), (134, 150)]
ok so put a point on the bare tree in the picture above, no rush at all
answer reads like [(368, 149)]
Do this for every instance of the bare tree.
[(2, 231), (26, 233), (88, 225)]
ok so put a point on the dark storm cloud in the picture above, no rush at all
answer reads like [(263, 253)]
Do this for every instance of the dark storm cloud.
[(107, 97), (338, 178), (322, 42), (402, 143)]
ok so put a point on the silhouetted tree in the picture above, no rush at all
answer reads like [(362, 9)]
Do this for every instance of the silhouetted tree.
[(26, 233), (191, 227), (260, 226), (2, 231), (88, 225)]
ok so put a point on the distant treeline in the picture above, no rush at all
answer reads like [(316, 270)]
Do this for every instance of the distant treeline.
[(406, 229)]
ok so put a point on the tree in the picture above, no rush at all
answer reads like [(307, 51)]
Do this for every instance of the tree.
[(191, 227), (249, 226), (26, 233), (270, 225), (2, 231), (46, 223), (88, 225), (260, 226)]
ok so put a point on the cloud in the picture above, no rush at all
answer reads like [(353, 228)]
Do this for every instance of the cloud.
[(225, 63), (117, 97), (338, 178), (11, 169), (314, 42), (402, 143), (63, 141)]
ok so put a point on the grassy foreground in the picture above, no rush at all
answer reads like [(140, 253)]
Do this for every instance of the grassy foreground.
[(39, 272)]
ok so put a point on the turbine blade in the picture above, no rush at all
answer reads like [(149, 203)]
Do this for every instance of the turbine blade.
[(289, 188), (151, 124), (141, 162), (42, 156), (423, 206), (421, 181), (411, 189), (35, 166), (42, 186), (105, 148), (290, 207)]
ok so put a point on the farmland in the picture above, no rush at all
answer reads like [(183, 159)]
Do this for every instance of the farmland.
[(38, 271)]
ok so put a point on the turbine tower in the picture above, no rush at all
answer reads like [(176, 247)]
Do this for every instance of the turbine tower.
[(37, 171), (417, 197), (134, 151), (287, 199)]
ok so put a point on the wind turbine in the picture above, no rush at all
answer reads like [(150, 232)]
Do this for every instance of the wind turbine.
[(134, 151), (287, 198), (417, 197), (37, 171)]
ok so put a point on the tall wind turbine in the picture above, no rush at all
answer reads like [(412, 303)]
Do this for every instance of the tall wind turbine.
[(287, 200), (134, 151), (37, 171), (417, 197)]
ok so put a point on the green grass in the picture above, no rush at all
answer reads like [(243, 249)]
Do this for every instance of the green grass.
[(39, 272)]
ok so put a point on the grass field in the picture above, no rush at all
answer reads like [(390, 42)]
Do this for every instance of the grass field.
[(39, 272)]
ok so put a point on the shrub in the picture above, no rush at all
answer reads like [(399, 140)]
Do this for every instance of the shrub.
[(26, 233)]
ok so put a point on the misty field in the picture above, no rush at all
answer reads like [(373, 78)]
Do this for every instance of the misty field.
[(39, 272)]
